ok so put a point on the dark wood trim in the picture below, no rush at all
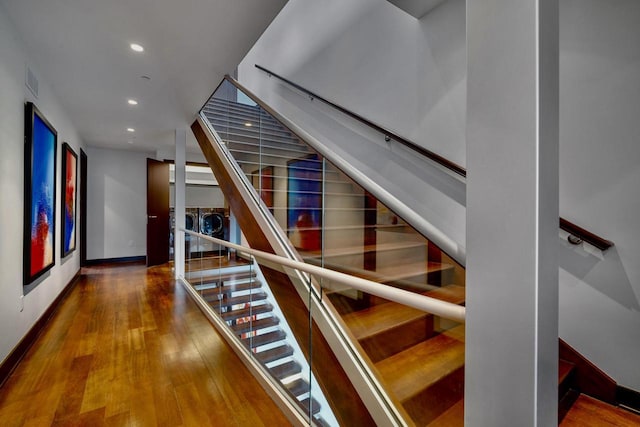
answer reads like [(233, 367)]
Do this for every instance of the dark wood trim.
[(84, 167), (13, 359), (386, 132), (628, 398), (129, 259), (589, 379), (585, 235)]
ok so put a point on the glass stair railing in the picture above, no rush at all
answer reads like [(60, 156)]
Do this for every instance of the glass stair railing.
[(332, 222), (236, 293)]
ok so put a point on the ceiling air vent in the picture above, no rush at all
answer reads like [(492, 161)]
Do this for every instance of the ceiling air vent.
[(32, 82)]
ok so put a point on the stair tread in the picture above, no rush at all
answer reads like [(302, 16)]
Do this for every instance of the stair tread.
[(307, 402), (227, 289), (564, 369), (201, 282), (298, 387), (381, 317), (392, 273), (589, 411), (452, 417), (274, 354), (242, 299), (262, 339), (454, 294), (355, 250), (416, 368), (246, 312), (286, 369), (255, 325)]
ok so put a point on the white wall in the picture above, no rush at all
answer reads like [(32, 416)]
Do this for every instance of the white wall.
[(405, 74), (200, 196), (410, 76), (599, 181), (116, 203), (15, 323)]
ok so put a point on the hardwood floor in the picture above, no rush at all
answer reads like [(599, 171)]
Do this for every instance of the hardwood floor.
[(587, 411), (129, 348)]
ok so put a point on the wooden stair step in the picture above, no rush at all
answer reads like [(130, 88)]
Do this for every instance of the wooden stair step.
[(587, 411), (255, 325), (275, 353), (298, 387), (356, 250), (206, 282), (428, 377), (310, 403), (454, 294), (564, 369), (242, 299), (286, 369), (380, 318), (262, 339), (246, 312), (452, 417), (424, 364), (395, 273), (212, 291)]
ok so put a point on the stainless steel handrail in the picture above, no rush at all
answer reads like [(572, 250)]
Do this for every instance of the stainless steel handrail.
[(421, 302)]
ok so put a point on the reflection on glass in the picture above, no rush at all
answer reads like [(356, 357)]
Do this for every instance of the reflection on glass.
[(335, 223)]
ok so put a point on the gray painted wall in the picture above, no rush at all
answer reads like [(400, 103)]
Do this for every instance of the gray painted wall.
[(116, 203), (14, 322), (410, 76)]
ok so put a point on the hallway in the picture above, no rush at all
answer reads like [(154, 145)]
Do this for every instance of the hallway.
[(128, 347)]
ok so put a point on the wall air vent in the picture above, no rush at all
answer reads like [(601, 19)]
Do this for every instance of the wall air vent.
[(32, 82)]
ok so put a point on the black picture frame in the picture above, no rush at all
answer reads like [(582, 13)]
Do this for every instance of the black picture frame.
[(69, 200), (40, 155)]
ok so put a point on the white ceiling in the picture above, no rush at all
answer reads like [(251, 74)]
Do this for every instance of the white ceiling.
[(81, 49)]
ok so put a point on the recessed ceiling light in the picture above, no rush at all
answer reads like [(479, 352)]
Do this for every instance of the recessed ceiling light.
[(136, 47), (131, 130), (132, 102), (248, 124)]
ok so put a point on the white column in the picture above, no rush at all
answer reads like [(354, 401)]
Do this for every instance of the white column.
[(512, 213), (181, 143)]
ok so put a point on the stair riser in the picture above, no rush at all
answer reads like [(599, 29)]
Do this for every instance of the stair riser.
[(434, 400), (397, 339)]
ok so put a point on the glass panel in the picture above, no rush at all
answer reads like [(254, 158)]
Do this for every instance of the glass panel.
[(333, 222), (239, 291)]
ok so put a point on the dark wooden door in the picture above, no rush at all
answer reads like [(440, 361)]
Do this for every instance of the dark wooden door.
[(157, 212), (83, 207)]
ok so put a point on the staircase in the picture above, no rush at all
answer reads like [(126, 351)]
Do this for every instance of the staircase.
[(332, 222), (238, 296), (417, 356)]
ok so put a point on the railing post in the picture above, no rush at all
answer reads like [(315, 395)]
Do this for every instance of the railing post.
[(511, 372), (180, 188)]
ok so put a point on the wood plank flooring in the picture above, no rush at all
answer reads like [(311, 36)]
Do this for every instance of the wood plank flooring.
[(587, 411), (129, 348)]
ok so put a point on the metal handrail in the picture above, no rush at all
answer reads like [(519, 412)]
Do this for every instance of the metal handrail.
[(575, 230), (421, 302), (449, 246), (388, 134)]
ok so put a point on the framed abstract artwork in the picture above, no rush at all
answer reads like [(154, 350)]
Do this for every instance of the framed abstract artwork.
[(304, 202), (40, 149), (262, 180), (68, 208)]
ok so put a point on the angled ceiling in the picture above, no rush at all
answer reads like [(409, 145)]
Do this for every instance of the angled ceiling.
[(81, 49)]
